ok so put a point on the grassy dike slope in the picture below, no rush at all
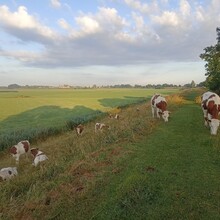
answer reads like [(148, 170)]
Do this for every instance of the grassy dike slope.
[(173, 174), (142, 168)]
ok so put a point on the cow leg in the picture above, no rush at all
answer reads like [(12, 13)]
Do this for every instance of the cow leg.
[(17, 158), (205, 113), (153, 111), (158, 111)]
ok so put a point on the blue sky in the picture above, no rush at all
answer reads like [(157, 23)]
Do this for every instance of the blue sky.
[(105, 42)]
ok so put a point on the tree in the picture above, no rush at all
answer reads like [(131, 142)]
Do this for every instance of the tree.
[(212, 66), (193, 84), (13, 86)]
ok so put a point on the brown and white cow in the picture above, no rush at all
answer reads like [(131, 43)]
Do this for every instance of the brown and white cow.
[(159, 106), (8, 173), (210, 103), (20, 148), (79, 129), (39, 156), (101, 127)]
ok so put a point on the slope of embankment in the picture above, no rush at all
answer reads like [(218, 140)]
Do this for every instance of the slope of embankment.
[(142, 168)]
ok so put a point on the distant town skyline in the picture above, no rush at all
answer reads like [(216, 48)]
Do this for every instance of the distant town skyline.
[(105, 42)]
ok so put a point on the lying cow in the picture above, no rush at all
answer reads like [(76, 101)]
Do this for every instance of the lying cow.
[(159, 106), (20, 148), (38, 155), (101, 127), (8, 173), (79, 129), (210, 103)]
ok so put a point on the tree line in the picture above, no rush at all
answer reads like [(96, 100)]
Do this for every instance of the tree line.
[(148, 86)]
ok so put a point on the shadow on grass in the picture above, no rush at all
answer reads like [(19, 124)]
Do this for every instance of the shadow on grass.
[(41, 122), (45, 121)]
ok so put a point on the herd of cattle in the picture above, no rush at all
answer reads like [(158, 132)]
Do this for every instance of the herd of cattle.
[(23, 147), (210, 103)]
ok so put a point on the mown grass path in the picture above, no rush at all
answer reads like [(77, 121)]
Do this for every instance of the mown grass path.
[(173, 174)]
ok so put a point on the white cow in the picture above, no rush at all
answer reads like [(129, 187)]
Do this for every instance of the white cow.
[(101, 127), (8, 173)]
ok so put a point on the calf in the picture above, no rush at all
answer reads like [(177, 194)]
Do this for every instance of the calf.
[(159, 105), (79, 129), (38, 155), (21, 148), (101, 126), (8, 173), (210, 103)]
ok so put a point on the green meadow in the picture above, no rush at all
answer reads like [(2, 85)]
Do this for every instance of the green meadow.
[(38, 113), (142, 168)]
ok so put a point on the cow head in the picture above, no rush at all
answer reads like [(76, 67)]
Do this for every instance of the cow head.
[(165, 115), (34, 152), (214, 124)]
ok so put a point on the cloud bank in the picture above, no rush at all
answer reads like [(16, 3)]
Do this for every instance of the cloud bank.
[(150, 33)]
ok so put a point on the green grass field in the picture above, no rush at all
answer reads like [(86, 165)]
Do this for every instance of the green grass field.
[(39, 113), (142, 168)]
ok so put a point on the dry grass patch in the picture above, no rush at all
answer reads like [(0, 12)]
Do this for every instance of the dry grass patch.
[(198, 100), (175, 99)]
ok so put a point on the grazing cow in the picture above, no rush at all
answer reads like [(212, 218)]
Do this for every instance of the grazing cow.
[(159, 105), (21, 148), (210, 103), (101, 127), (38, 155), (8, 173), (111, 116), (79, 129), (117, 116)]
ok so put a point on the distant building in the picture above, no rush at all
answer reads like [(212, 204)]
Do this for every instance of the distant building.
[(64, 86)]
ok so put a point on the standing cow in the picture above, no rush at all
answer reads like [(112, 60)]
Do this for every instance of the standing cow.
[(210, 103), (159, 106), (20, 148)]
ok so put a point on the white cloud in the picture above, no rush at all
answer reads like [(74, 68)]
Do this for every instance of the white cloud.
[(55, 3), (142, 7), (168, 18), (150, 33), (23, 25), (23, 56), (185, 8), (63, 24), (88, 24)]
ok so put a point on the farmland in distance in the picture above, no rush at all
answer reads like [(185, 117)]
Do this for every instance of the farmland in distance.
[(39, 113)]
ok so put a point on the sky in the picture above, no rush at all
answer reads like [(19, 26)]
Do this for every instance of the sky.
[(105, 42)]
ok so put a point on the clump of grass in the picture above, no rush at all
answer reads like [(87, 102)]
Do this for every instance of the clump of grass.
[(175, 99), (198, 100)]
